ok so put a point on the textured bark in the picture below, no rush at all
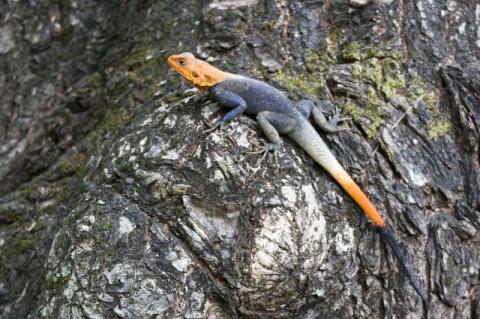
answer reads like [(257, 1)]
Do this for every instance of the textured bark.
[(114, 204)]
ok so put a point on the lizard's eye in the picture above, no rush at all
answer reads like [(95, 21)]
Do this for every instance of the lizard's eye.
[(194, 74), (181, 62)]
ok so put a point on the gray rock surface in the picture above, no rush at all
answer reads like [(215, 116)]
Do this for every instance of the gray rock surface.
[(113, 204)]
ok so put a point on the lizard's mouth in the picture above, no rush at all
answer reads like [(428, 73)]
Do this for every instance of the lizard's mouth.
[(173, 64)]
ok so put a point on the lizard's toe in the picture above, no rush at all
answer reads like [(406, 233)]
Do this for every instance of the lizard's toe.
[(331, 125), (219, 124), (265, 150)]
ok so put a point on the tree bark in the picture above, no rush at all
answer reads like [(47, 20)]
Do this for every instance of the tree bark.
[(113, 203)]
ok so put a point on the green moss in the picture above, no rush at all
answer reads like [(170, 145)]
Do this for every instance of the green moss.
[(134, 77), (431, 100), (137, 58), (64, 190), (357, 51), (418, 91), (392, 87), (144, 68), (368, 71), (72, 164), (353, 110), (373, 111), (384, 74), (374, 126), (173, 98), (354, 52), (376, 65), (24, 245), (17, 246), (295, 82), (8, 214), (379, 67), (54, 284), (113, 118), (107, 226), (30, 191), (317, 64), (333, 39), (391, 82), (319, 61), (312, 61), (177, 97), (180, 189), (439, 126)]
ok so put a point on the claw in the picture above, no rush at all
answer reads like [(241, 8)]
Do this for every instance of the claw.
[(336, 118), (219, 124), (331, 125), (266, 149)]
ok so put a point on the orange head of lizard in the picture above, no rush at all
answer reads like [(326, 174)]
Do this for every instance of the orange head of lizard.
[(200, 73)]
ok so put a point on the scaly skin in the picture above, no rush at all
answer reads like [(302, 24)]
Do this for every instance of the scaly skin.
[(309, 140), (277, 115)]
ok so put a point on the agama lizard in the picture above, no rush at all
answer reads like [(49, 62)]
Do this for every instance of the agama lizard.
[(277, 115)]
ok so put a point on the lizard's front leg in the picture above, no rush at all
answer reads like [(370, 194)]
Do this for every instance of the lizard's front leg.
[(230, 100)]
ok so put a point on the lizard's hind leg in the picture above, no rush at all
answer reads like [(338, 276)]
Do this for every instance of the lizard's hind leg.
[(330, 125), (273, 124), (305, 107)]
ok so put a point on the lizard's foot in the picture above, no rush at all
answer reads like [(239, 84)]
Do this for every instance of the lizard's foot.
[(219, 124), (266, 149), (331, 126)]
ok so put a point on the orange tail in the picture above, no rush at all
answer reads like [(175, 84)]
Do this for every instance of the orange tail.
[(359, 197)]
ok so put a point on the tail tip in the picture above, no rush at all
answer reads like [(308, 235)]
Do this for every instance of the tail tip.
[(392, 242)]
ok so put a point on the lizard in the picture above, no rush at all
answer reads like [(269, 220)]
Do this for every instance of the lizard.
[(277, 115)]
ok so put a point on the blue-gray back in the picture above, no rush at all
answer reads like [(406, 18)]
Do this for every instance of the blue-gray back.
[(259, 96)]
